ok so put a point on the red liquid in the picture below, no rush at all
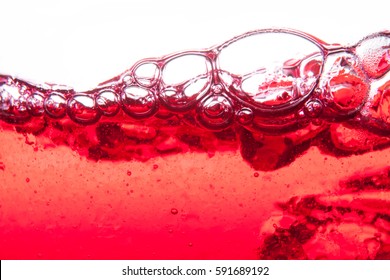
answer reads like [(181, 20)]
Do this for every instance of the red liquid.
[(203, 167)]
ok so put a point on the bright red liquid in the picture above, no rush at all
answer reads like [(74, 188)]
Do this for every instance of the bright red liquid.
[(172, 175)]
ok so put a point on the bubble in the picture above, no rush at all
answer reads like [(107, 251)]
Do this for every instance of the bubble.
[(174, 211), (215, 112), (348, 91), (256, 174), (27, 180), (313, 108), (271, 82), (13, 104), (129, 173), (345, 87), (138, 102), (82, 109), (155, 166), (245, 116), (35, 104), (374, 53), (217, 89), (185, 80), (108, 103), (55, 105), (146, 74)]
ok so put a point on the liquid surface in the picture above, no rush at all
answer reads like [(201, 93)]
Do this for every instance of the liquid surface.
[(222, 153)]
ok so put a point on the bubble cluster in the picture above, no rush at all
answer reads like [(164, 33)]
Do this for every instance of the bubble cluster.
[(243, 82), (108, 103), (345, 88), (13, 103), (245, 116), (184, 81), (374, 53), (269, 82), (146, 74)]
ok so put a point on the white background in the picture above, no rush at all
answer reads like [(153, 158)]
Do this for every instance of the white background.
[(112, 270), (81, 43)]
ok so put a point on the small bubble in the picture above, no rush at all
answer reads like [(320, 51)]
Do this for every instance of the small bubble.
[(138, 102), (256, 174), (82, 108), (244, 116), (155, 166), (35, 104), (190, 244), (217, 89), (146, 74), (216, 112), (313, 108), (128, 79), (55, 105), (128, 173), (174, 211), (27, 180)]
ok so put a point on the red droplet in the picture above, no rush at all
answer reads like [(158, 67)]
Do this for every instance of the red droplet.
[(256, 174), (128, 173), (174, 211)]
